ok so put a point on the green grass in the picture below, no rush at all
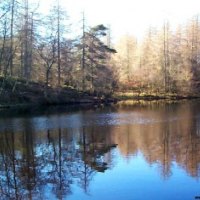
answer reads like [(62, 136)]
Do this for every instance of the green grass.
[(152, 96)]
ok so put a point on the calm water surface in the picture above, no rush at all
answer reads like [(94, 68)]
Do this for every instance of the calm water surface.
[(126, 151)]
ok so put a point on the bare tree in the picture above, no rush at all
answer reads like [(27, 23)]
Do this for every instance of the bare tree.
[(47, 52)]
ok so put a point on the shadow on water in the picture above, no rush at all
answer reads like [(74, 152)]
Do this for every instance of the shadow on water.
[(49, 160), (32, 111)]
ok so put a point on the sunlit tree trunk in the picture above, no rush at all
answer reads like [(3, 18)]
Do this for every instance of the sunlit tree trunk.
[(166, 56), (128, 60)]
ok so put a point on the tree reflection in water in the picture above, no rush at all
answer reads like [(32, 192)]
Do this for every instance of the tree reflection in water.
[(37, 162), (31, 165)]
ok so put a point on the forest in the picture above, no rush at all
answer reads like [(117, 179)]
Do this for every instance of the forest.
[(42, 48), (165, 62)]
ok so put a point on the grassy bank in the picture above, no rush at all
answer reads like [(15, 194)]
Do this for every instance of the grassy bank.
[(18, 92), (153, 96)]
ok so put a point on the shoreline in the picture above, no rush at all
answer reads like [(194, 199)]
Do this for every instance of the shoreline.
[(95, 101)]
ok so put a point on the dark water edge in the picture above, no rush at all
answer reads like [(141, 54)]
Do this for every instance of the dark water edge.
[(37, 110), (42, 109)]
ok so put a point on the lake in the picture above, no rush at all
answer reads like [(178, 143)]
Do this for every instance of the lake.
[(131, 151)]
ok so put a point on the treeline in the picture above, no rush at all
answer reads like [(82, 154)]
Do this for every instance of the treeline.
[(43, 48), (166, 61), (37, 47)]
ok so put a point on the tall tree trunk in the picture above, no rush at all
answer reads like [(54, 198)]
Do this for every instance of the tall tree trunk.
[(58, 41), (83, 54), (166, 56), (2, 62), (27, 40), (11, 36)]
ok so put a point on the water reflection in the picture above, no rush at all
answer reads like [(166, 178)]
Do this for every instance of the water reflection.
[(45, 156), (35, 163)]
